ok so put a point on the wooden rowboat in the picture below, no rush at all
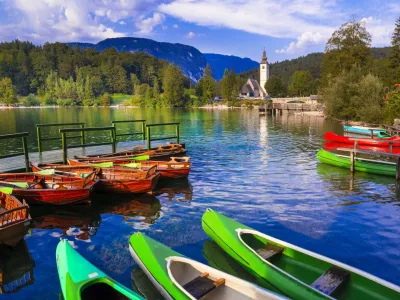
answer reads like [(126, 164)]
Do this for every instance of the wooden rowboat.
[(159, 153), (116, 180), (175, 168), (14, 220), (56, 190)]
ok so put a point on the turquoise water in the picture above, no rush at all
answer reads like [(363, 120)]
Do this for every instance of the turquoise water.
[(262, 171)]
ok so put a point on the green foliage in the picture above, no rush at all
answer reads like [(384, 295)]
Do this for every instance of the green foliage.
[(274, 87), (348, 45), (31, 100), (354, 96), (391, 110), (301, 83), (205, 88), (173, 86), (394, 57), (8, 93), (106, 100), (230, 87)]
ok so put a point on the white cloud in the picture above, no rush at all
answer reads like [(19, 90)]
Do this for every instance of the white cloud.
[(191, 35), (381, 31), (304, 41), (175, 26), (122, 22), (147, 25)]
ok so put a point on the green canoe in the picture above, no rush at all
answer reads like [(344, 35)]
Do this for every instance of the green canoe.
[(299, 273), (79, 279), (361, 164), (178, 277)]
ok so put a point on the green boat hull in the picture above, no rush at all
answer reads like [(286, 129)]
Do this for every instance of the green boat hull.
[(151, 257), (360, 165), (295, 269), (80, 279)]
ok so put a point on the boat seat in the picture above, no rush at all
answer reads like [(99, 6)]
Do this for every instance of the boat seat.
[(269, 251), (202, 285), (331, 280)]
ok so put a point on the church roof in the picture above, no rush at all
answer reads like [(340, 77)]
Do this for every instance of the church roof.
[(255, 84), (264, 59), (250, 87), (246, 89)]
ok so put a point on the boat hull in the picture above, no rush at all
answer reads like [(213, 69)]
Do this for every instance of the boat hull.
[(294, 271), (330, 136), (53, 197), (386, 169), (363, 130)]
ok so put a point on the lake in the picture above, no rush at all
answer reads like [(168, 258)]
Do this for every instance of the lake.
[(262, 171)]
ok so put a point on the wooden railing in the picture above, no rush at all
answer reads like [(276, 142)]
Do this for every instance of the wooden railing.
[(64, 139), (24, 152), (14, 215), (148, 133), (39, 132), (142, 133)]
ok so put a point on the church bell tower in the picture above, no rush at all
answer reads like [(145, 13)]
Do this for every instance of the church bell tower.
[(264, 72)]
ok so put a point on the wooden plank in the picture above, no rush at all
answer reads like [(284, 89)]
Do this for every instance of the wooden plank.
[(202, 285), (269, 251), (351, 150), (331, 280)]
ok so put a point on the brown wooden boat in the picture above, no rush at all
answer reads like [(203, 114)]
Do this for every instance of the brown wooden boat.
[(164, 152), (14, 220), (175, 168), (16, 268), (116, 180), (55, 190)]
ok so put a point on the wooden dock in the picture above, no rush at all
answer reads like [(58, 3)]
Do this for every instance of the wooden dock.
[(55, 156)]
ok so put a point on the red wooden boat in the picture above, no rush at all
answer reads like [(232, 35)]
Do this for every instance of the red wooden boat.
[(175, 168), (395, 140), (116, 180), (14, 220), (332, 146), (163, 153), (56, 190)]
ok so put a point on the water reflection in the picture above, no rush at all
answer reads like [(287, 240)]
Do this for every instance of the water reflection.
[(142, 285), (16, 268), (175, 189)]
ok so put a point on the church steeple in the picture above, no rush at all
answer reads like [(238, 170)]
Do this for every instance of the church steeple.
[(264, 59)]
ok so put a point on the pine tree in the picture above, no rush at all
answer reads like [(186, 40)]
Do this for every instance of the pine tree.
[(394, 56), (208, 86), (173, 86), (156, 91), (8, 94)]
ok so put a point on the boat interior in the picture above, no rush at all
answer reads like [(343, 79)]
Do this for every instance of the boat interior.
[(203, 284), (323, 276), (101, 290)]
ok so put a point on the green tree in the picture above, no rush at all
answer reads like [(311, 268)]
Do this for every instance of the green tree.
[(156, 91), (31, 100), (173, 86), (391, 110), (135, 82), (274, 87), (394, 57), (8, 94), (301, 83), (207, 86), (106, 100), (148, 97), (229, 87), (348, 45)]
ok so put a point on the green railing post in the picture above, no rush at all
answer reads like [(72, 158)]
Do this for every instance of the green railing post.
[(177, 133), (148, 138), (144, 130), (64, 146), (82, 134), (39, 138), (113, 140), (26, 154)]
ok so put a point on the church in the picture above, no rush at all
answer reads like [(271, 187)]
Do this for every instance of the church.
[(252, 89)]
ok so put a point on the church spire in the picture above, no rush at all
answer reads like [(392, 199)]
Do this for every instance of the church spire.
[(264, 59)]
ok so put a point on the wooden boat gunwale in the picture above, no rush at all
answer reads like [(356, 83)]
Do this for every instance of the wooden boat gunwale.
[(23, 206), (359, 272)]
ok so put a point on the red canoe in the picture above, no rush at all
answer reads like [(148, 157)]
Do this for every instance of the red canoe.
[(116, 180), (175, 168), (331, 146), (332, 137)]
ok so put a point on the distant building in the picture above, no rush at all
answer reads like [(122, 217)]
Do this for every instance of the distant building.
[(252, 89)]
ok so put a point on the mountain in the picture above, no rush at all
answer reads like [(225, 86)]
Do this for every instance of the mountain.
[(310, 62), (189, 59), (219, 63)]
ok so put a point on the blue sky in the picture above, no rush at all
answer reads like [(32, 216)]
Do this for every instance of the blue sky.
[(287, 29)]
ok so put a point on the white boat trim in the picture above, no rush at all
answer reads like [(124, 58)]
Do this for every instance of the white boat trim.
[(369, 160), (219, 274), (159, 287), (315, 255)]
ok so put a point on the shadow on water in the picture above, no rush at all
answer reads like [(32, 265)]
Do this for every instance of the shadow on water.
[(16, 268), (142, 285), (174, 188)]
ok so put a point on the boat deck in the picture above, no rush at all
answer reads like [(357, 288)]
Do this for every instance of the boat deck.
[(54, 156)]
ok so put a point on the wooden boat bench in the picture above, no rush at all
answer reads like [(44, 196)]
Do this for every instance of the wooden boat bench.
[(269, 251), (331, 280), (202, 285)]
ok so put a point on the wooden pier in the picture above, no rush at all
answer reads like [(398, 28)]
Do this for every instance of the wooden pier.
[(278, 108), (20, 161)]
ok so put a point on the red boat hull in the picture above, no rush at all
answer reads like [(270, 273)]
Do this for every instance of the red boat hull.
[(330, 136), (54, 197), (138, 186), (331, 146)]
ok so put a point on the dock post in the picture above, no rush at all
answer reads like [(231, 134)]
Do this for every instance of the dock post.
[(398, 169), (64, 147), (113, 135), (352, 161), (82, 126), (355, 144), (148, 138), (26, 154), (372, 133), (177, 133), (39, 138), (390, 146), (144, 130)]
